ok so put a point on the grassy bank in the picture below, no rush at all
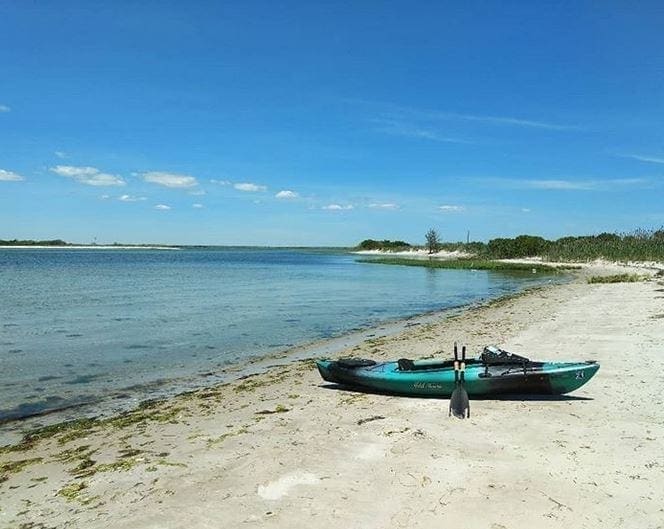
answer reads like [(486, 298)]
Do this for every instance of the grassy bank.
[(617, 278), (467, 264)]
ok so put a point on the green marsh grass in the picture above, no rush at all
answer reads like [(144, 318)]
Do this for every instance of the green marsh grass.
[(640, 245), (617, 278), (465, 264)]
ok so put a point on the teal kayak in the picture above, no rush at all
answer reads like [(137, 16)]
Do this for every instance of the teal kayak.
[(490, 374)]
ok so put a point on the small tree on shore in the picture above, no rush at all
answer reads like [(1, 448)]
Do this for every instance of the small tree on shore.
[(433, 241)]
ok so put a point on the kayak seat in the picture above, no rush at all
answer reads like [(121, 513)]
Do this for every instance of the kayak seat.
[(354, 363), (405, 364), (494, 356)]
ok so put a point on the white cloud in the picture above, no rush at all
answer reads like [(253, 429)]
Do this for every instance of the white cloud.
[(197, 192), (286, 194), (162, 207), (492, 120), (398, 128), (649, 159), (582, 185), (249, 187), (337, 207), (568, 185), (513, 121), (88, 175), (129, 198), (172, 180), (384, 206), (525, 210), (4, 108), (197, 206), (451, 209), (10, 176), (405, 113), (60, 154)]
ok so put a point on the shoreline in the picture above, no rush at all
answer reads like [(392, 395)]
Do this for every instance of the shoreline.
[(282, 448), (302, 352), (104, 407)]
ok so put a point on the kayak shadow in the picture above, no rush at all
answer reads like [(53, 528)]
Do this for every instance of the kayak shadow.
[(530, 397), (522, 397)]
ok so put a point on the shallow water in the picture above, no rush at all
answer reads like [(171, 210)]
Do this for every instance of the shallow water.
[(91, 325)]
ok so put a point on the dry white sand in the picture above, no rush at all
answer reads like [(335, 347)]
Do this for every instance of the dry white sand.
[(416, 254), (283, 449)]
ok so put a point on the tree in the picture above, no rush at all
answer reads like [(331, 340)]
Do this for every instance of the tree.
[(433, 240)]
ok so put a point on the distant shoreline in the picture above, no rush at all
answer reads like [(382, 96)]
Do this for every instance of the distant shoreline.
[(84, 247), (171, 247)]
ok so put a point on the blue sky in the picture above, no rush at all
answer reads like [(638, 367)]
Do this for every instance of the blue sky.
[(324, 123)]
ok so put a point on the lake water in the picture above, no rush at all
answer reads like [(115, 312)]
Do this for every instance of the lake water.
[(93, 326)]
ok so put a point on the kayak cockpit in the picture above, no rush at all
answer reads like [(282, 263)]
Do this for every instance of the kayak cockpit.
[(490, 356)]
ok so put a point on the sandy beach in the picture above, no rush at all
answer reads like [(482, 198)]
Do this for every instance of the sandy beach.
[(285, 449)]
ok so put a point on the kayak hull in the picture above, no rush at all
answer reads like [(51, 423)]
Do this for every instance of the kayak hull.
[(437, 378)]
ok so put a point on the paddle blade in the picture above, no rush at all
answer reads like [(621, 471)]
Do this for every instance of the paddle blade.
[(459, 403)]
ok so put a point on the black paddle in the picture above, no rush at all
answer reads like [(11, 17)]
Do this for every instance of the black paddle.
[(463, 381), (459, 402)]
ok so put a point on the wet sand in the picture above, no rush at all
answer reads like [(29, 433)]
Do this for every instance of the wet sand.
[(285, 449)]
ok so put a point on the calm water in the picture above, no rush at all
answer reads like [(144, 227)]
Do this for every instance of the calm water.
[(98, 325)]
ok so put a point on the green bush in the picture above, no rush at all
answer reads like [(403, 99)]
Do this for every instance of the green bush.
[(371, 244), (521, 246), (640, 245), (17, 242)]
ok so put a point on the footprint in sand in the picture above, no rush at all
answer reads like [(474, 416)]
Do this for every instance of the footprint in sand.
[(277, 489), (370, 452)]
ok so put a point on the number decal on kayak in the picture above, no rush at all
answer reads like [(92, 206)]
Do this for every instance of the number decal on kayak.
[(580, 374)]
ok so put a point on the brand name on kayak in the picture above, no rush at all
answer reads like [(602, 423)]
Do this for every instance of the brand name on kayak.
[(427, 385)]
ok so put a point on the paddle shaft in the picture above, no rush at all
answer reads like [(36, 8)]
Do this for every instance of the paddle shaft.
[(459, 405), (462, 376), (456, 365)]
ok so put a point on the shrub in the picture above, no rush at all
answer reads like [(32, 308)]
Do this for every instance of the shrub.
[(522, 246), (371, 244)]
